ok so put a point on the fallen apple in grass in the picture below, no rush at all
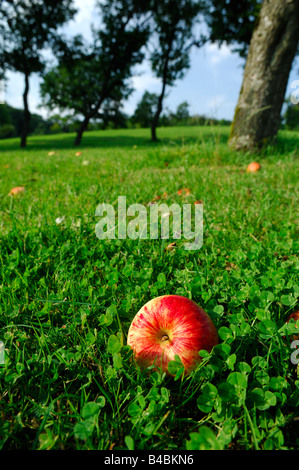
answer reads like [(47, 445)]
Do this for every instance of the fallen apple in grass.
[(169, 326), (253, 166), (295, 317), (16, 191)]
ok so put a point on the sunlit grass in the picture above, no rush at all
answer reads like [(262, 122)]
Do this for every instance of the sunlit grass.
[(64, 293)]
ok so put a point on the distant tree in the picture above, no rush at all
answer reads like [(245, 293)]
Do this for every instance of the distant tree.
[(273, 46), (11, 122), (5, 116), (174, 22), (112, 115), (182, 112), (59, 123), (89, 74), (291, 116), (198, 120), (7, 131), (26, 29), (145, 110), (36, 121), (6, 127)]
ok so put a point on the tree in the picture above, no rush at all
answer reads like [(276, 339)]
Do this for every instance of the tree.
[(89, 74), (26, 29), (5, 117), (182, 112), (145, 109), (291, 115), (271, 53), (232, 22), (174, 22), (112, 115), (6, 128)]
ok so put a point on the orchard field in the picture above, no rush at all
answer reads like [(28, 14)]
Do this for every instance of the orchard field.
[(67, 299)]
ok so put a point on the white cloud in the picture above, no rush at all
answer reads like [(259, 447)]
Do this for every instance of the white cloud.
[(85, 9), (146, 82), (81, 24), (14, 89), (216, 54)]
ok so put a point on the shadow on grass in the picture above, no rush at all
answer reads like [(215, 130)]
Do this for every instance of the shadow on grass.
[(287, 141), (126, 138)]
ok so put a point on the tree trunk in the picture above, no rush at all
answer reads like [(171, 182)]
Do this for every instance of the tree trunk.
[(161, 97), (26, 121), (271, 53), (84, 124), (157, 114), (82, 128)]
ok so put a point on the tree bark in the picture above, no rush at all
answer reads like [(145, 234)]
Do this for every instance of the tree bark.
[(155, 121), (271, 53), (82, 128), (84, 124), (162, 94), (26, 121)]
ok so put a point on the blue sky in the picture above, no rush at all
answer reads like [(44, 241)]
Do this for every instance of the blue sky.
[(211, 86)]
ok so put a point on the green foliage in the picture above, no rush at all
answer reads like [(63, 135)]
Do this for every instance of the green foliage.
[(89, 76), (182, 112), (232, 22), (145, 110), (14, 118), (27, 28), (173, 25), (291, 116), (5, 116), (68, 85), (173, 28), (69, 380), (7, 131), (85, 427)]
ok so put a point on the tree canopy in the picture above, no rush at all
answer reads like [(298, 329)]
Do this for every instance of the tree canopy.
[(174, 35), (145, 110), (232, 22), (89, 74), (26, 29)]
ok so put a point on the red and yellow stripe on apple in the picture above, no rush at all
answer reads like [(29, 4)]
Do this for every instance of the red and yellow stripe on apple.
[(171, 325)]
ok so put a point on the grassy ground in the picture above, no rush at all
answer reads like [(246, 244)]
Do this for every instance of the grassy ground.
[(67, 298)]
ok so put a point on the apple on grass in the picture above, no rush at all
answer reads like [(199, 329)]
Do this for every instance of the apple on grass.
[(294, 316), (169, 326), (253, 167)]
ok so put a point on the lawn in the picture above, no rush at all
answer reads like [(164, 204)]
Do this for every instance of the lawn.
[(67, 299)]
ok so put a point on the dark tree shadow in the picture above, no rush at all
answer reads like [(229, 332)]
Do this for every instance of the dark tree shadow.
[(117, 138), (130, 138)]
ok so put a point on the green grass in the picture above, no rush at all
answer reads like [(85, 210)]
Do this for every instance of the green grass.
[(67, 298)]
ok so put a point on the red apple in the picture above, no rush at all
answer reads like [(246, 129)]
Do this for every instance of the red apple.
[(16, 191), (171, 325), (253, 166), (295, 317)]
